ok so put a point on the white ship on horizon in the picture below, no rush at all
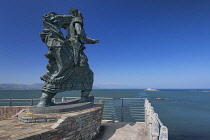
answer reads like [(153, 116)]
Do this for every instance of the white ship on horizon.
[(151, 89)]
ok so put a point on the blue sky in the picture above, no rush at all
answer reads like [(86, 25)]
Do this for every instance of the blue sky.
[(144, 43)]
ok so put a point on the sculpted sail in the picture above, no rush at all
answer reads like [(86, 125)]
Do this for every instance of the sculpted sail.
[(68, 67)]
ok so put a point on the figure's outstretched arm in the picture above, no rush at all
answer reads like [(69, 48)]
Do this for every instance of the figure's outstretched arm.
[(81, 34)]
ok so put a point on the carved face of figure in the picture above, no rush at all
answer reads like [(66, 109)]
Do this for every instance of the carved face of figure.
[(75, 13)]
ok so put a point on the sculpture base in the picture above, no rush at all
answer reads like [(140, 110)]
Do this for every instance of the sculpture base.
[(76, 125), (38, 118), (51, 113), (66, 106)]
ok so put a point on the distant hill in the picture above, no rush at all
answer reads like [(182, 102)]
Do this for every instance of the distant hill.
[(20, 86), (114, 86), (38, 86)]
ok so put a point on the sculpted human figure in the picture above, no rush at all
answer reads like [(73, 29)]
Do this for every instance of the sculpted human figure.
[(68, 67), (77, 37)]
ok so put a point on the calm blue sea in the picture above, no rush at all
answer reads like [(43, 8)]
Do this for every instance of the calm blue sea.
[(187, 114)]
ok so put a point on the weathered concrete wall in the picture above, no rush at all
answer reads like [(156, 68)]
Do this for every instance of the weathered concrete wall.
[(7, 111), (80, 125)]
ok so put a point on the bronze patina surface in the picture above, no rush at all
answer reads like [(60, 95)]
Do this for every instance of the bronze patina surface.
[(68, 67)]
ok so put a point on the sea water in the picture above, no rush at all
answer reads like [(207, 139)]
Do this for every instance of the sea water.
[(186, 114)]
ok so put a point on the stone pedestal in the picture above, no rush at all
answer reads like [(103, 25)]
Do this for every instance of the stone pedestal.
[(66, 106), (53, 113), (73, 125)]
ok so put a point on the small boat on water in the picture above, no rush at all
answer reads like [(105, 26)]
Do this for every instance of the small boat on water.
[(162, 99), (151, 89)]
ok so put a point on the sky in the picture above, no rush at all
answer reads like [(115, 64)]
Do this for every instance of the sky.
[(143, 43)]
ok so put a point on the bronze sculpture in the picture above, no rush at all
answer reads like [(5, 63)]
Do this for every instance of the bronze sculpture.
[(68, 67)]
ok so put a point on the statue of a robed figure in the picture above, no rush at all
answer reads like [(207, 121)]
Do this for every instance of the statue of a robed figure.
[(68, 67)]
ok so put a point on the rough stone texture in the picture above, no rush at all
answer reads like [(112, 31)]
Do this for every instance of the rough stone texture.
[(8, 111), (80, 125), (38, 118)]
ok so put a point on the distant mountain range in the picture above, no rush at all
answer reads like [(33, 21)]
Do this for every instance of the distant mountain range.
[(113, 86), (38, 86), (12, 86)]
